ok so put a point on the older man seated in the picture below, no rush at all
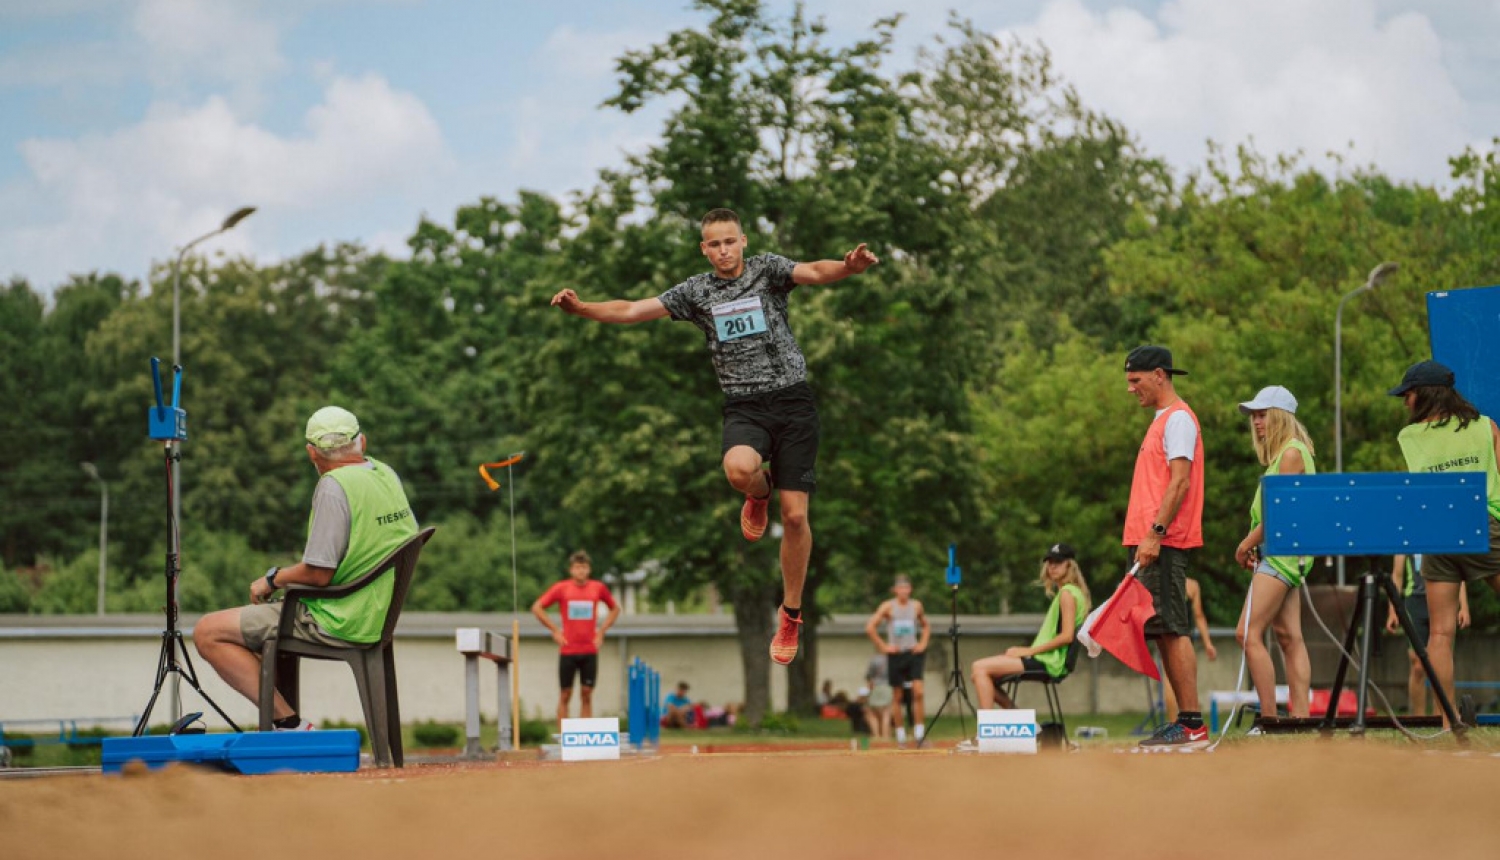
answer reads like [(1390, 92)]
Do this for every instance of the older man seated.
[(360, 515)]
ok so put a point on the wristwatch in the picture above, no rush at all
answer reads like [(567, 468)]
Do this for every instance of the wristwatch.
[(271, 577), (1159, 530)]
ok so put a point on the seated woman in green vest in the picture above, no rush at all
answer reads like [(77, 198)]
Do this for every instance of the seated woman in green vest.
[(1282, 445), (1445, 433), (1048, 652)]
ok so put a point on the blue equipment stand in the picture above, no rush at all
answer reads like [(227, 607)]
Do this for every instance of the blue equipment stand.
[(167, 423), (1377, 513), (958, 689)]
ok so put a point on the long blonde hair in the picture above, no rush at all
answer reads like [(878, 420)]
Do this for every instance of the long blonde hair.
[(1072, 576), (1282, 427)]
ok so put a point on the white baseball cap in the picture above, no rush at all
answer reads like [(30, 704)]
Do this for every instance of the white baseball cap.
[(1271, 397)]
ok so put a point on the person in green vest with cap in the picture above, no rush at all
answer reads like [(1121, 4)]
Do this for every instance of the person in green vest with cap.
[(1063, 581), (359, 516), (1446, 433), (1283, 446)]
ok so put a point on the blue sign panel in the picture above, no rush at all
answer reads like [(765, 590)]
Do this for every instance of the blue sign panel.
[(1375, 513), (1465, 328)]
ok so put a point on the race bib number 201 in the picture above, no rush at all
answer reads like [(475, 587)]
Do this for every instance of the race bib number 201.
[(741, 318)]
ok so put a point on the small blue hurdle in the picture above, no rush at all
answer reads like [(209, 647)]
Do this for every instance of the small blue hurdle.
[(644, 705)]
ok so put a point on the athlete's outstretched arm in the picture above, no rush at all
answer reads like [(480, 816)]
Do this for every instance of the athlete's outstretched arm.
[(828, 271), (617, 311)]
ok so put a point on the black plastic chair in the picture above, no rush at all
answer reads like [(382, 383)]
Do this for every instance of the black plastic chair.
[(1049, 683), (374, 665)]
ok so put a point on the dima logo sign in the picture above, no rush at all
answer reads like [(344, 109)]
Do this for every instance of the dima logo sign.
[(591, 739), (1007, 730)]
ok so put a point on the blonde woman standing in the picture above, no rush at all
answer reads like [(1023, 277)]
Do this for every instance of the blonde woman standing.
[(1048, 652), (1284, 448)]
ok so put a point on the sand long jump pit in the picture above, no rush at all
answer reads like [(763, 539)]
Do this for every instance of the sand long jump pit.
[(1305, 798)]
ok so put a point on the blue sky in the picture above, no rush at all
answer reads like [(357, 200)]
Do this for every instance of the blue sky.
[(128, 127)]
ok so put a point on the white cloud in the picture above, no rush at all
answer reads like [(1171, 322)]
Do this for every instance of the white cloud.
[(1290, 74), (221, 42), (119, 200)]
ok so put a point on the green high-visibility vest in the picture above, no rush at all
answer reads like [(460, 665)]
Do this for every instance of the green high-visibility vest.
[(1289, 566), (1429, 448), (380, 520), (1056, 660)]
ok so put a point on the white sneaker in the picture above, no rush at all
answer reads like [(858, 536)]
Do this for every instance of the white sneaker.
[(305, 726)]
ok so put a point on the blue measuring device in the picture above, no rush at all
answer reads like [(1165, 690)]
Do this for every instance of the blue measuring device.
[(955, 574), (166, 422), (1375, 513)]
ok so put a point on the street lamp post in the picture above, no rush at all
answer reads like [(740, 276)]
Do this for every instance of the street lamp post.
[(1376, 277), (234, 218), (90, 470)]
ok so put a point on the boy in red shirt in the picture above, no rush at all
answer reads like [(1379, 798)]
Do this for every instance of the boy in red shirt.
[(580, 635)]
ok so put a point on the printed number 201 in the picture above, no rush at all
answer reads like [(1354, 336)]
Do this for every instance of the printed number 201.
[(740, 325)]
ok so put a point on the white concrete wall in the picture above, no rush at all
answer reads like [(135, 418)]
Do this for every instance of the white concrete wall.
[(85, 667)]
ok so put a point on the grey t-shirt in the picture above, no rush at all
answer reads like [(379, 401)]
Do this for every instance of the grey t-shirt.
[(745, 325), (328, 535)]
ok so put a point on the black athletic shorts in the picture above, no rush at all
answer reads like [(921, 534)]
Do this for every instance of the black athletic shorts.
[(905, 667), (782, 427), (1167, 582), (585, 666)]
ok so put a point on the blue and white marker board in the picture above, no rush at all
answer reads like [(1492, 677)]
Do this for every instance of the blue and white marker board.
[(1375, 513), (1465, 330)]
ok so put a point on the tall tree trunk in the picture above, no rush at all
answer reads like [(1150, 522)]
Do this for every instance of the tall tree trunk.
[(754, 604)]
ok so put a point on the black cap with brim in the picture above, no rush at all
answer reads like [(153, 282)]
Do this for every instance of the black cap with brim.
[(1059, 552), (1143, 359), (1424, 373)]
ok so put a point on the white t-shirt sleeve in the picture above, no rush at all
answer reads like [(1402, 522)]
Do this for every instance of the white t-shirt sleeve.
[(1180, 436)]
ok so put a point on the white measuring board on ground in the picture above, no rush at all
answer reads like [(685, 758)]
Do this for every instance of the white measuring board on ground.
[(1008, 731), (591, 739)]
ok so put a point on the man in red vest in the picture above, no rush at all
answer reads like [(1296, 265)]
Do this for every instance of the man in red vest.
[(1165, 521)]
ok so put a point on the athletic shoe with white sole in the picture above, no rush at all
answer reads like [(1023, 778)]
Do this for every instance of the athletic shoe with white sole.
[(304, 726), (784, 643), (1175, 737), (754, 516)]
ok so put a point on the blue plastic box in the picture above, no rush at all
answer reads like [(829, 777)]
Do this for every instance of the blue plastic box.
[(333, 751)]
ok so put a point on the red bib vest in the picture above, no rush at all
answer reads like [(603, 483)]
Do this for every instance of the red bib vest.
[(1152, 474)]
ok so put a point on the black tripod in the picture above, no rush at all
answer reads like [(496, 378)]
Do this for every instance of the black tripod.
[(956, 683), (171, 637), (1364, 613)]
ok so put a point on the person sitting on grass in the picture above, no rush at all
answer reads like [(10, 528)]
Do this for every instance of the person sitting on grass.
[(1048, 652), (679, 713)]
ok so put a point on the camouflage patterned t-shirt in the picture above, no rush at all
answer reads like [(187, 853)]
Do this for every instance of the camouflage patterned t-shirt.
[(744, 323)]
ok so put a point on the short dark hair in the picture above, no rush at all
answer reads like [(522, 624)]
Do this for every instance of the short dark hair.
[(1444, 403), (721, 216), (580, 557)]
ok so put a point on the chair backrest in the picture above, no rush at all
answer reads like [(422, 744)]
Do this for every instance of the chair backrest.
[(404, 562), (1071, 660)]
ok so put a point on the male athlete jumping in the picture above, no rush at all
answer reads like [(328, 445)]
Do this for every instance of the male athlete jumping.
[(769, 413)]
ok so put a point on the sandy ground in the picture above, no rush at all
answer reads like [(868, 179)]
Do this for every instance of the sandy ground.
[(1304, 799)]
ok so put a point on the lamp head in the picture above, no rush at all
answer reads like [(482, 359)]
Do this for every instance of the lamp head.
[(237, 216), (1380, 273), (90, 470)]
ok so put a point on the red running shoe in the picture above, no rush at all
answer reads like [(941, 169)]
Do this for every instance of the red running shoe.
[(754, 516), (784, 643)]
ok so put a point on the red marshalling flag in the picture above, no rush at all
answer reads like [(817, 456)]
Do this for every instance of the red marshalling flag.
[(1119, 627)]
